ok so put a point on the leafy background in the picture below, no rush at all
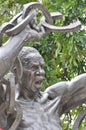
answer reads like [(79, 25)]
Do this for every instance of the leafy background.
[(64, 53)]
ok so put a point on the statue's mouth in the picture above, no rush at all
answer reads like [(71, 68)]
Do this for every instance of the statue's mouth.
[(38, 83)]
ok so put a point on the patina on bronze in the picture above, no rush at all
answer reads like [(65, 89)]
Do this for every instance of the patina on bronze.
[(22, 105)]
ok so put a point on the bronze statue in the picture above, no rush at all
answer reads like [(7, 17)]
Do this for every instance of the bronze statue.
[(43, 109), (29, 108)]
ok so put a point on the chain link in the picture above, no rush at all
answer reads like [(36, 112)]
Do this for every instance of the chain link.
[(20, 24)]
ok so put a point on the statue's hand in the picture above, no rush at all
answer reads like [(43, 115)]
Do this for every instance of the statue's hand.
[(33, 34), (44, 98)]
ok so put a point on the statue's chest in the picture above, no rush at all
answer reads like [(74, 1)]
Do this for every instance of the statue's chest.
[(36, 118)]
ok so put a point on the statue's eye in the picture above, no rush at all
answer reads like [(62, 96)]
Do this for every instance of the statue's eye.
[(35, 66)]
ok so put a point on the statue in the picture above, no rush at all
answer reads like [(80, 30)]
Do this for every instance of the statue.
[(42, 108), (33, 109)]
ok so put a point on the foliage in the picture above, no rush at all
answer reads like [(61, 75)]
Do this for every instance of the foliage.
[(64, 53)]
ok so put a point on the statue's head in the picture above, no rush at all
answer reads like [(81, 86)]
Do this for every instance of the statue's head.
[(33, 68)]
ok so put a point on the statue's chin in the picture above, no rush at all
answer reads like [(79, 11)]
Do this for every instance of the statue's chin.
[(36, 87)]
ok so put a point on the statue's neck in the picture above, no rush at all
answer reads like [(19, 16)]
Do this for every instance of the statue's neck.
[(29, 94)]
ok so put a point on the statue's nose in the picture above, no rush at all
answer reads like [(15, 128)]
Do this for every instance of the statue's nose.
[(40, 72)]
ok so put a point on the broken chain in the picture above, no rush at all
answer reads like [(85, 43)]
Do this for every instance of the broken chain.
[(24, 18)]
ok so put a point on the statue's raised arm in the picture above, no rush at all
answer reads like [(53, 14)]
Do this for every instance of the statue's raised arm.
[(19, 34)]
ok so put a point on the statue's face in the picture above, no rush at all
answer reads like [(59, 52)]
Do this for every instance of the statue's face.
[(35, 73)]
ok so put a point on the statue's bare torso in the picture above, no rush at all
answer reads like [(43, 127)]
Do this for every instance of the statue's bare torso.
[(38, 117)]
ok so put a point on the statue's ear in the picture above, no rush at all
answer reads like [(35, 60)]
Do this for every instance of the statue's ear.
[(17, 69)]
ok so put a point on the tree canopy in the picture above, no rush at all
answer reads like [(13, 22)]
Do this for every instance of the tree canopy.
[(64, 53)]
